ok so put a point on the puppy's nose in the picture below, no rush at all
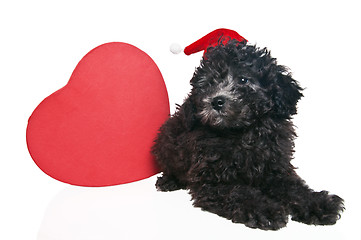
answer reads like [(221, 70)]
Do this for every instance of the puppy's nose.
[(218, 103)]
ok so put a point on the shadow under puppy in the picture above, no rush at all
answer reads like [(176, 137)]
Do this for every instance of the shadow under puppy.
[(231, 142)]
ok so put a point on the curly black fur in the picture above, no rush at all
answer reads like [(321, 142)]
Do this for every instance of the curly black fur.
[(231, 142)]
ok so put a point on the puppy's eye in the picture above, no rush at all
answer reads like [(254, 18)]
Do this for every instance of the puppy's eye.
[(242, 80)]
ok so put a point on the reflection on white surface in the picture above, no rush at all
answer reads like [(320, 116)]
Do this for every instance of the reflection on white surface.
[(119, 212)]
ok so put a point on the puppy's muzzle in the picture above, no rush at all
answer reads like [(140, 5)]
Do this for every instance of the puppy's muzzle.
[(218, 103)]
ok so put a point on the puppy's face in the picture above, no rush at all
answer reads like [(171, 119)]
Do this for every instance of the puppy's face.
[(238, 84)]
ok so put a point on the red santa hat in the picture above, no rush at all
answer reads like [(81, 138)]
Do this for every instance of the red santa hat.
[(212, 39)]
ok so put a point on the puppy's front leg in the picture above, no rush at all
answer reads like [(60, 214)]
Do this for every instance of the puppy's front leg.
[(306, 205), (170, 154), (241, 204), (167, 183)]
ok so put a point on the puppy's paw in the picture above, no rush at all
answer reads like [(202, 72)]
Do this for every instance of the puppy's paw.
[(320, 209), (272, 217), (167, 183)]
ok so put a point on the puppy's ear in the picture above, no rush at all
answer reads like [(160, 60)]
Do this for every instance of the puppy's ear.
[(286, 94), (187, 113)]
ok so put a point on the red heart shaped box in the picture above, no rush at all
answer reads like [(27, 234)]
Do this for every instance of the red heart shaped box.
[(98, 130)]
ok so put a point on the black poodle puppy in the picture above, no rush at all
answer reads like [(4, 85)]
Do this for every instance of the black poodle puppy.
[(231, 142)]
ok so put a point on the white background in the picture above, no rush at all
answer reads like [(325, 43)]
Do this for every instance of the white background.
[(41, 43)]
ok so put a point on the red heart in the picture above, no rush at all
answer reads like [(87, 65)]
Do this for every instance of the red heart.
[(99, 128)]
